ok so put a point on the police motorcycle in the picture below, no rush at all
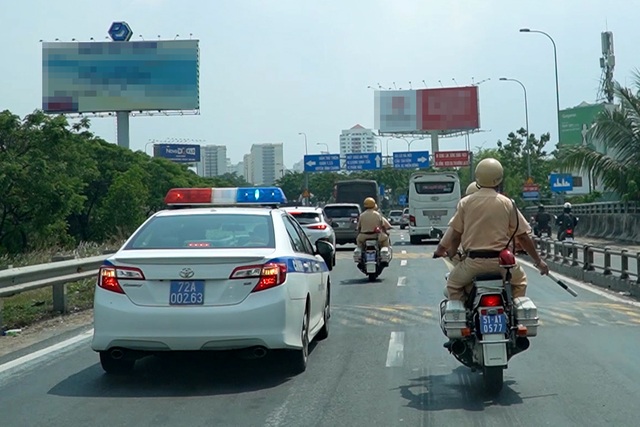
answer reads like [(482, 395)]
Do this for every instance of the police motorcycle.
[(373, 259), (492, 326)]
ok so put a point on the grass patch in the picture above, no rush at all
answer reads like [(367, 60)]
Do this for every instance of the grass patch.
[(31, 307)]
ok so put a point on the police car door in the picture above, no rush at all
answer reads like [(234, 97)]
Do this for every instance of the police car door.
[(312, 266)]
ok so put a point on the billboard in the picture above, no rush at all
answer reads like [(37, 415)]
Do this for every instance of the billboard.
[(88, 77), (450, 109), (576, 122), (179, 153), (396, 111)]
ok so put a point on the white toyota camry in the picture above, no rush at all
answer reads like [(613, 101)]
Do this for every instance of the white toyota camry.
[(219, 270)]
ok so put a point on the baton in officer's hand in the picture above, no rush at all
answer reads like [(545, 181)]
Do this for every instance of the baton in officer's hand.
[(562, 284)]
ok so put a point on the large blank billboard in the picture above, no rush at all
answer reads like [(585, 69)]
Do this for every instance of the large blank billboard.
[(443, 109), (83, 77)]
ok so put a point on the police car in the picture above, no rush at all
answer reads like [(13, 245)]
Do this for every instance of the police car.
[(221, 269)]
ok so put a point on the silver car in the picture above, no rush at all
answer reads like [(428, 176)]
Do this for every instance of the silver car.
[(313, 222), (395, 216)]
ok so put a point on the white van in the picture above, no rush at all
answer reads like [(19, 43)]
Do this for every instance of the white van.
[(433, 198)]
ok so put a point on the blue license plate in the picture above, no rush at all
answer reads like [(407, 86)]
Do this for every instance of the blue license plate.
[(493, 324), (371, 256), (186, 292)]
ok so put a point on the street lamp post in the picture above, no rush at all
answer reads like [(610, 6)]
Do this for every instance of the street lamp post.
[(306, 174), (326, 145), (526, 118), (555, 60)]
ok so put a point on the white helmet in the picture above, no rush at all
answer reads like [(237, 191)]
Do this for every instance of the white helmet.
[(567, 205), (489, 173), (471, 188)]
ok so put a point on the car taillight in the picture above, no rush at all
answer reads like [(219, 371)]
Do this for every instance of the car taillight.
[(271, 275), (490, 301), (108, 277), (412, 220), (317, 226)]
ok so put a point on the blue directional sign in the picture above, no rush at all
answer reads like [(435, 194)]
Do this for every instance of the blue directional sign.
[(363, 161), (561, 182), (402, 199), (411, 159), (322, 162), (531, 195), (120, 32)]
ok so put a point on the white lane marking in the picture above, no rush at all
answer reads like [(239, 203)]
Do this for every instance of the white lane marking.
[(587, 287), (395, 354), (45, 351), (403, 262), (402, 281), (402, 236), (403, 251)]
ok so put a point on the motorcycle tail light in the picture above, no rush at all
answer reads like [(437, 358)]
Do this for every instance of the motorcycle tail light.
[(491, 301)]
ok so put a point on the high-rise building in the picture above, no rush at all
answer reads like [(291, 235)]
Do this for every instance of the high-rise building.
[(357, 140), (213, 160), (247, 168), (266, 163)]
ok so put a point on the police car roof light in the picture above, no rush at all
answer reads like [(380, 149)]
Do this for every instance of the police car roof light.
[(225, 196)]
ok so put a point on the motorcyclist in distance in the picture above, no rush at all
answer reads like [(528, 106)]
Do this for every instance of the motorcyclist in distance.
[(371, 224), (566, 221)]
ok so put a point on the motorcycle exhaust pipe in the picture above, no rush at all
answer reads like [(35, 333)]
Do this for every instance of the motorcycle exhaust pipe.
[(458, 348)]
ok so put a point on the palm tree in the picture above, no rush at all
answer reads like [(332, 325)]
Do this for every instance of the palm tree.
[(619, 128)]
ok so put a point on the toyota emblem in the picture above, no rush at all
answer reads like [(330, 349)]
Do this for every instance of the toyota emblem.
[(186, 273), (435, 198)]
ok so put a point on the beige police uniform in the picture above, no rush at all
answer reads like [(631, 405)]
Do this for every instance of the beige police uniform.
[(486, 220), (367, 223)]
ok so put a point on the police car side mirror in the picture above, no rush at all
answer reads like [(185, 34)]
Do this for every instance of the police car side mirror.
[(326, 251)]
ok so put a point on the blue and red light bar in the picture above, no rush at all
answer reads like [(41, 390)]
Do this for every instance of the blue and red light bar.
[(231, 196)]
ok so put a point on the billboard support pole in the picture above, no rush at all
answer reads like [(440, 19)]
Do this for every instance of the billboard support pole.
[(435, 146), (122, 125), (472, 171)]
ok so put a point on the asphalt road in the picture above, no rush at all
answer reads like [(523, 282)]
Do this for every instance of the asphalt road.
[(383, 365)]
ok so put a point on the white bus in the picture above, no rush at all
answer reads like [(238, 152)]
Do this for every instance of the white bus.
[(433, 198)]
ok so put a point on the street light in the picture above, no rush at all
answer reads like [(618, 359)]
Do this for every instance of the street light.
[(306, 174), (555, 60), (326, 145), (526, 118)]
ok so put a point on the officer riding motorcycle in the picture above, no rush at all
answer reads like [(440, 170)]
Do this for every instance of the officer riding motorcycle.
[(542, 222), (373, 253)]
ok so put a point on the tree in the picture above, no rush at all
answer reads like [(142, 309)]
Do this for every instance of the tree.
[(619, 167)]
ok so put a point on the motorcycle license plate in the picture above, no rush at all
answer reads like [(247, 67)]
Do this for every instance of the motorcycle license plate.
[(371, 256), (493, 324)]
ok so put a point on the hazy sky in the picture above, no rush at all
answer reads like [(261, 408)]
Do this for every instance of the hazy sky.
[(272, 69)]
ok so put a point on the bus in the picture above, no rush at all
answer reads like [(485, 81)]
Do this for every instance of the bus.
[(355, 191), (433, 198)]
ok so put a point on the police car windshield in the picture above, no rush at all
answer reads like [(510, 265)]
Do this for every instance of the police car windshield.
[(205, 231), (306, 218)]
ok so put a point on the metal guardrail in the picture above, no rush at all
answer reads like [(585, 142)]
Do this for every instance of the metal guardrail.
[(56, 274), (591, 208)]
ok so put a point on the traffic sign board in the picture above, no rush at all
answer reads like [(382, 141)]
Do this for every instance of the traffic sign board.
[(448, 159), (530, 187), (120, 32), (530, 195), (363, 161), (321, 162), (561, 182), (411, 159), (402, 199)]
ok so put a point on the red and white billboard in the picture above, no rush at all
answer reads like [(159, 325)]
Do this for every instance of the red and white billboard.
[(451, 159), (448, 109), (414, 111)]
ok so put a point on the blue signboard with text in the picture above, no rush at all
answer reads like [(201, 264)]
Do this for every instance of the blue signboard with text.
[(179, 153), (322, 162), (411, 159), (363, 161)]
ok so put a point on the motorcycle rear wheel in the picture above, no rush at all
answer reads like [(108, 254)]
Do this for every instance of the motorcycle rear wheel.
[(372, 276), (493, 379)]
